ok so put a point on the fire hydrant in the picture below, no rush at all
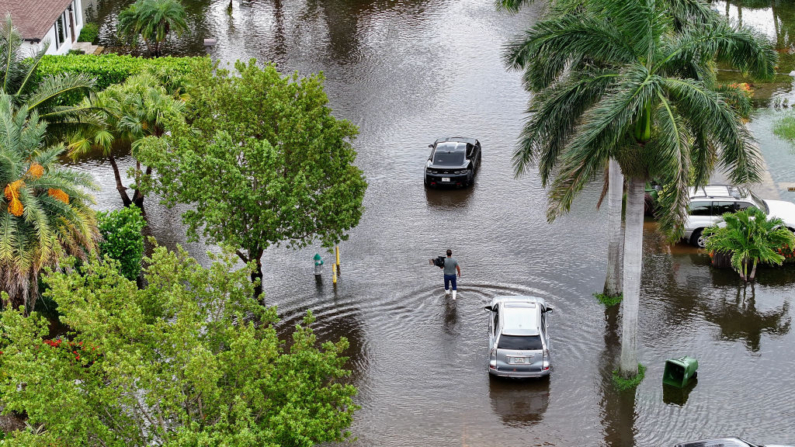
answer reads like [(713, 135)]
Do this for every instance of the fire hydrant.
[(318, 265)]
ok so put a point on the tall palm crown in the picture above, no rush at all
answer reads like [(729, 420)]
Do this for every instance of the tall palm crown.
[(632, 81), (18, 77), (153, 20), (44, 211)]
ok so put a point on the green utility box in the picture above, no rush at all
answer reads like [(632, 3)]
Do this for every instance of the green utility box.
[(679, 372)]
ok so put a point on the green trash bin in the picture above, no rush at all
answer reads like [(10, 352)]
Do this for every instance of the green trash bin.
[(679, 372)]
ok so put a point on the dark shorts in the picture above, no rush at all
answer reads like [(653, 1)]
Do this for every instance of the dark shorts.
[(447, 280)]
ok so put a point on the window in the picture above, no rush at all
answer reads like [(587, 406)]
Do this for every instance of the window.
[(448, 158), (700, 208), (720, 208), (59, 32), (744, 206), (521, 342)]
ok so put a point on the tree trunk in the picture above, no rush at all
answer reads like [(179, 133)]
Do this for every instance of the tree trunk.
[(633, 263), (753, 271), (119, 186), (256, 274), (614, 203)]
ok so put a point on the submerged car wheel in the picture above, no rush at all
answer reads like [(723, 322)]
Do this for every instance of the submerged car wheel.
[(698, 239)]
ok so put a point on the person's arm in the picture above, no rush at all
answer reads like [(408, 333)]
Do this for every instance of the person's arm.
[(458, 268)]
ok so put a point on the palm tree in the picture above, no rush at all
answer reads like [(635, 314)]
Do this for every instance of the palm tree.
[(123, 115), (45, 212), (18, 77), (749, 237), (634, 81), (152, 20)]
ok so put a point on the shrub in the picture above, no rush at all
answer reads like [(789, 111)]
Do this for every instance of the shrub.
[(623, 384), (76, 52), (112, 69), (89, 33), (123, 240)]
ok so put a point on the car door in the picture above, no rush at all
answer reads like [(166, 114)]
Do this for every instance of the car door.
[(699, 214)]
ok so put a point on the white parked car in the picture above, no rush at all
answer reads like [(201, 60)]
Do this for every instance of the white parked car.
[(518, 337), (709, 203)]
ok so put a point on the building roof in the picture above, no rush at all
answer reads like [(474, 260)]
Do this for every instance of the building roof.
[(33, 18)]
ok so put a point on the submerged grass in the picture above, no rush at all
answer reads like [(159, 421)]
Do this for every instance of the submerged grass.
[(626, 384), (607, 300)]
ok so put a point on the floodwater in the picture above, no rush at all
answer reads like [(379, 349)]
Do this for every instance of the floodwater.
[(407, 72)]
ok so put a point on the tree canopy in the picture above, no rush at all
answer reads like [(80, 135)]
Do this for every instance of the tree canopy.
[(153, 21), (261, 159), (192, 359)]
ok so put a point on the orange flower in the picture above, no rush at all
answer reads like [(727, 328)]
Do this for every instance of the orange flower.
[(36, 170), (12, 195), (58, 194)]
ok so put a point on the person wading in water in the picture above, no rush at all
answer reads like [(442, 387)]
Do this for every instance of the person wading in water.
[(450, 269)]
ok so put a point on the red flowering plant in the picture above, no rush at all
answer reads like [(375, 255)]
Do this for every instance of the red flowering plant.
[(85, 354), (788, 253)]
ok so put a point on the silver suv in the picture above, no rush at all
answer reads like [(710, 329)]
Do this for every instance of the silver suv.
[(518, 338), (709, 203)]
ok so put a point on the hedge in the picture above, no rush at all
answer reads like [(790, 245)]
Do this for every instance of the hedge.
[(123, 239), (112, 69)]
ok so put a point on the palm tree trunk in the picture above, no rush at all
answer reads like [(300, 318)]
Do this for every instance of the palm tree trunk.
[(119, 186), (753, 271), (614, 201), (633, 263)]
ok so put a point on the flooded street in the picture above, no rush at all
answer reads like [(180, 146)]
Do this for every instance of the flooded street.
[(407, 72)]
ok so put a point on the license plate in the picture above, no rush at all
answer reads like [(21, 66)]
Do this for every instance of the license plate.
[(445, 179), (516, 360)]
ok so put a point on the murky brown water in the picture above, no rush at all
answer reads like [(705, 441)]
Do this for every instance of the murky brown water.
[(407, 72)]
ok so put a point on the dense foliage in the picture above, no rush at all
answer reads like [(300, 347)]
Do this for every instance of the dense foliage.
[(110, 69), (262, 161), (749, 237), (89, 33), (45, 211), (152, 21), (190, 360), (122, 239)]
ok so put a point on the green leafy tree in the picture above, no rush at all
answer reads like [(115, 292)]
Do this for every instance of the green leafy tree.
[(45, 211), (749, 237), (122, 239), (120, 117), (634, 82), (262, 162), (190, 360), (153, 21)]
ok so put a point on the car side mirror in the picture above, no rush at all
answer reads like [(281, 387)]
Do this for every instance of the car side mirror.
[(430, 146), (549, 309), (488, 308)]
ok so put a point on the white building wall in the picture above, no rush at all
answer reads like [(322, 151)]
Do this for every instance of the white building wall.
[(60, 48)]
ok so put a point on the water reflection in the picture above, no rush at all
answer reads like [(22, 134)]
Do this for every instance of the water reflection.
[(618, 407), (450, 317), (449, 198), (519, 403), (739, 319)]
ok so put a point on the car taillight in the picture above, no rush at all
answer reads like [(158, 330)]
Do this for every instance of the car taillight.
[(546, 354), (493, 364)]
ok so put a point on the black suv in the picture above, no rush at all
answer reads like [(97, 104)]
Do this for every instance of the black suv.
[(454, 161)]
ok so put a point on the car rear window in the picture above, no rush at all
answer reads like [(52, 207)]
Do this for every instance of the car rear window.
[(521, 342), (445, 158)]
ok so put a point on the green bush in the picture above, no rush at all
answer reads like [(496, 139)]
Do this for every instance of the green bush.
[(112, 69), (122, 239), (89, 33), (76, 52), (627, 384)]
